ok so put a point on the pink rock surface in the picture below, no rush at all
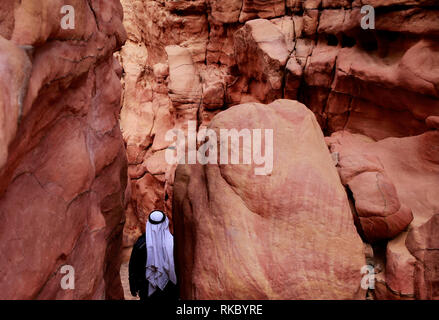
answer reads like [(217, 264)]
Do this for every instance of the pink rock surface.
[(379, 83), (423, 244), (261, 54), (412, 165), (287, 235), (62, 158), (350, 78), (67, 178), (378, 209)]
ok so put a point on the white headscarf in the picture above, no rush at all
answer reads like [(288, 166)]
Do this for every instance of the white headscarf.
[(160, 253)]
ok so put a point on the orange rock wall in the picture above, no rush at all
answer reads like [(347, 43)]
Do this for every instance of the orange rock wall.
[(190, 60), (62, 157), (380, 83)]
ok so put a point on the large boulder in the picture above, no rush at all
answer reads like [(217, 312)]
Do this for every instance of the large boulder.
[(289, 234)]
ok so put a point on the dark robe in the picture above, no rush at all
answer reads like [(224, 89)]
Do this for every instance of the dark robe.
[(136, 273)]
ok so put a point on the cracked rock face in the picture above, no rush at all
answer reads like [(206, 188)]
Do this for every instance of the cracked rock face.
[(191, 60), (62, 159)]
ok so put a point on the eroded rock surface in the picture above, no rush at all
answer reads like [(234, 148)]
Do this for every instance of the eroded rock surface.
[(380, 83), (190, 60), (423, 244), (286, 235), (409, 168), (62, 158)]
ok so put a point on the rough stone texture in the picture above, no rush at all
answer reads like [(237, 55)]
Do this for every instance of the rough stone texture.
[(261, 54), (423, 244), (378, 209), (379, 83), (411, 166), (62, 159), (287, 235)]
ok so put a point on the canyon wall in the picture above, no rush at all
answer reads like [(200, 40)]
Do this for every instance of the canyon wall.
[(63, 164), (190, 60)]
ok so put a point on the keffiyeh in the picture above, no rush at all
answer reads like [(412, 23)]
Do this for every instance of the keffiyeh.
[(160, 252)]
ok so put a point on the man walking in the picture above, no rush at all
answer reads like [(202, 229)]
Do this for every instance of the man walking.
[(151, 267)]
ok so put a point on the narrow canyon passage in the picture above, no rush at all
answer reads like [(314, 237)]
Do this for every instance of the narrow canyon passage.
[(339, 119), (374, 93)]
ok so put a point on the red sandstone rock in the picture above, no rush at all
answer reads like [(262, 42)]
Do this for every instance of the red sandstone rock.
[(380, 84), (225, 11), (412, 165), (190, 60), (63, 178), (423, 243), (184, 81), (380, 212), (432, 122), (15, 71), (252, 9), (288, 235), (261, 54)]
